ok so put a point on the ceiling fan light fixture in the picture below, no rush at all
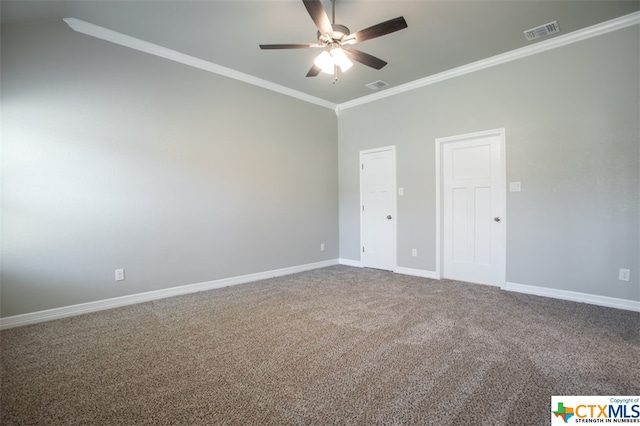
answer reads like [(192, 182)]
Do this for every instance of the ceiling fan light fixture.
[(328, 60), (324, 61), (340, 59)]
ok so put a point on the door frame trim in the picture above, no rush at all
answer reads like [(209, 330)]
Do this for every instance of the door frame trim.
[(394, 207), (439, 144)]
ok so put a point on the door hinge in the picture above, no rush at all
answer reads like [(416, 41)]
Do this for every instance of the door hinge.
[(363, 249), (362, 166), (363, 208)]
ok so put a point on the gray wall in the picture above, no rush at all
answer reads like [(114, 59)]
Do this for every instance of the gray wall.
[(112, 158), (572, 138), (117, 159)]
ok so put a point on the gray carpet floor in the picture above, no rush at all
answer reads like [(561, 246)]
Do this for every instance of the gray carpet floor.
[(338, 345)]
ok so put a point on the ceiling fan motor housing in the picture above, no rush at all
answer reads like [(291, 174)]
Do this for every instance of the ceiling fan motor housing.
[(339, 32)]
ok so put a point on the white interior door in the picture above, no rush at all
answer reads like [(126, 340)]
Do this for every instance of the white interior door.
[(377, 193), (473, 209)]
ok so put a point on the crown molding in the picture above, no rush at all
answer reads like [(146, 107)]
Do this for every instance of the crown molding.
[(173, 55), (543, 46)]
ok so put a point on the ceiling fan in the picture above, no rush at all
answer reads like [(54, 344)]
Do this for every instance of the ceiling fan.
[(336, 41)]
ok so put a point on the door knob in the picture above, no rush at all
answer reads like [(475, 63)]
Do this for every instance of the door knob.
[(388, 216), (497, 218)]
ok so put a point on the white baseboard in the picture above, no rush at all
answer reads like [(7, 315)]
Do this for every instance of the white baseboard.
[(349, 262), (611, 302), (398, 270), (83, 308), (416, 272)]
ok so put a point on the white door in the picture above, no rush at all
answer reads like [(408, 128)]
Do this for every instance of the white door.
[(473, 209), (377, 193)]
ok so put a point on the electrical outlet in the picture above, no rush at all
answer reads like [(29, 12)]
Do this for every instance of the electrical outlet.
[(624, 275), (322, 247), (414, 252), (119, 274)]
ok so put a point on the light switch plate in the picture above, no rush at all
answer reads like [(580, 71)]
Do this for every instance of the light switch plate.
[(514, 187)]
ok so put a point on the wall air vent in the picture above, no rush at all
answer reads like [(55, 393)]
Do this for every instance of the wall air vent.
[(377, 85), (542, 31)]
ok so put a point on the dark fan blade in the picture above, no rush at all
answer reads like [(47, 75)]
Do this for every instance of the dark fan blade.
[(319, 16), (365, 58), (287, 46), (314, 71), (380, 29)]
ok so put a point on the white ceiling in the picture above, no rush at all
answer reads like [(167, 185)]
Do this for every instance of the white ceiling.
[(441, 35)]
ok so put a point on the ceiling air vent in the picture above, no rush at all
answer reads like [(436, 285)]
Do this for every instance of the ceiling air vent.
[(542, 31), (377, 85)]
